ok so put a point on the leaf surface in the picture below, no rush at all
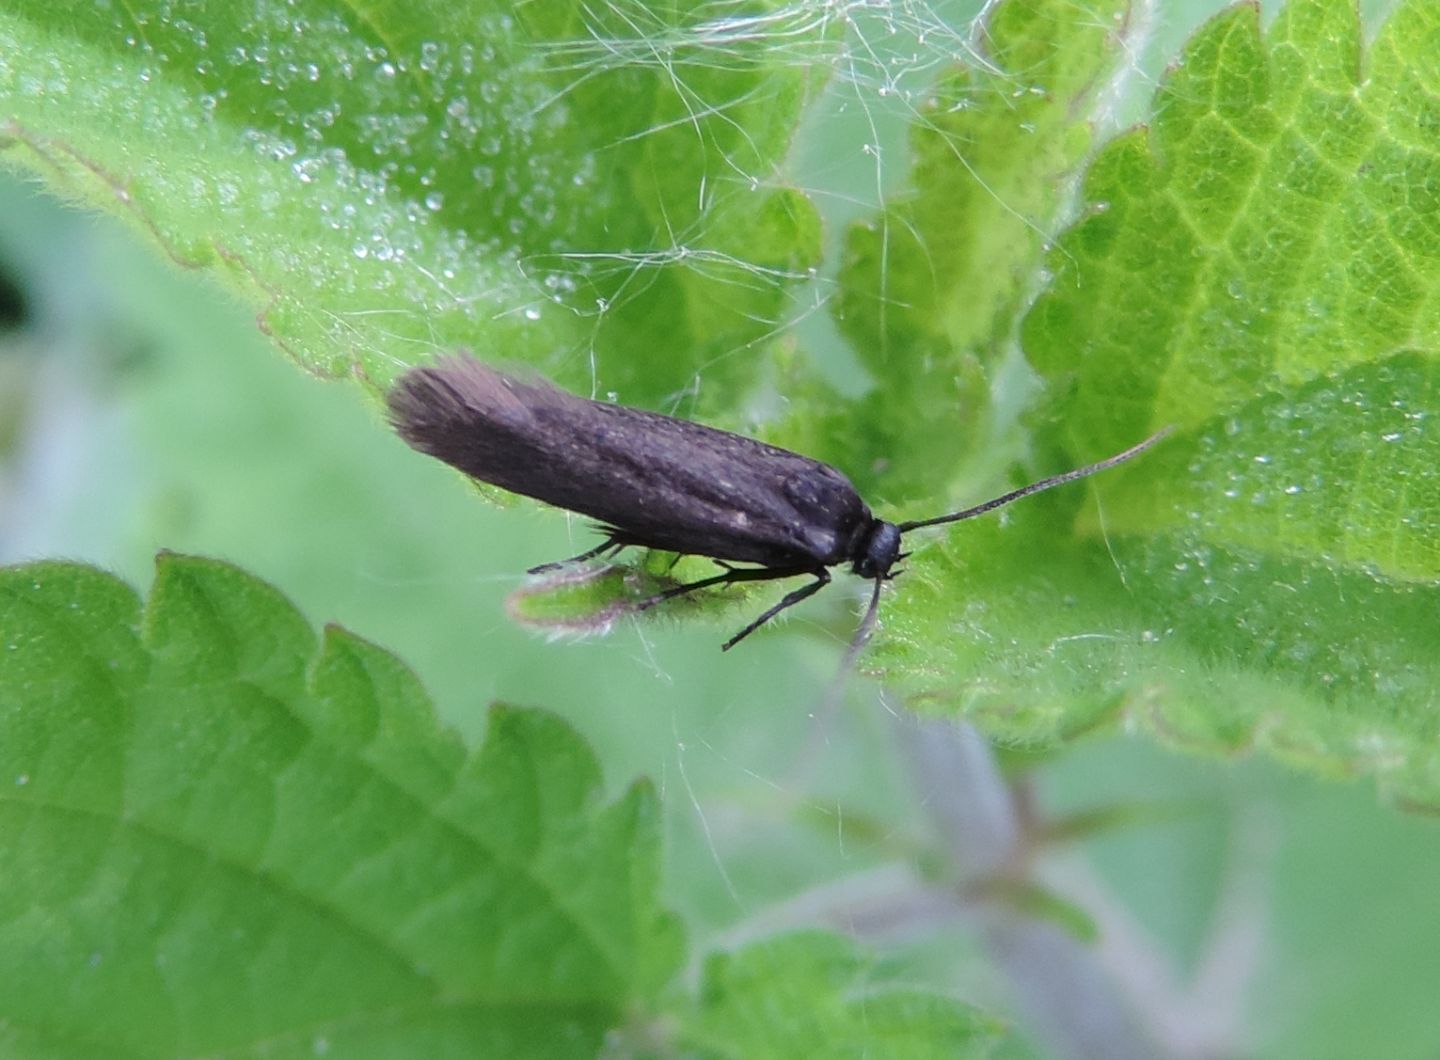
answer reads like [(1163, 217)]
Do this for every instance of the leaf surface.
[(384, 180), (1261, 269), (226, 836)]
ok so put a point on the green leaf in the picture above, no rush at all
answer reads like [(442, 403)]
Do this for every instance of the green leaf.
[(931, 289), (1260, 268), (386, 179), (817, 996), (222, 835)]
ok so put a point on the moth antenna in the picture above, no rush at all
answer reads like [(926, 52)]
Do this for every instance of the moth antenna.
[(867, 626), (1037, 487), (852, 653)]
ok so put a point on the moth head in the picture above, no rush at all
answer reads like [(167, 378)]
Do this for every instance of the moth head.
[(878, 551)]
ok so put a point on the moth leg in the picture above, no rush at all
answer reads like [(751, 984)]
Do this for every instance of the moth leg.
[(733, 574), (790, 599), (756, 574), (607, 545)]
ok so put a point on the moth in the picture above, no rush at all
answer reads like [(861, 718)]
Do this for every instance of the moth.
[(658, 482)]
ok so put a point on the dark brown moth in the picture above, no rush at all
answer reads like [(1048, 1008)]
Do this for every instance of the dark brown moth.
[(658, 482)]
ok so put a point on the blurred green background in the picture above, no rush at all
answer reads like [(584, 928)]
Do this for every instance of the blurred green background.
[(140, 409)]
